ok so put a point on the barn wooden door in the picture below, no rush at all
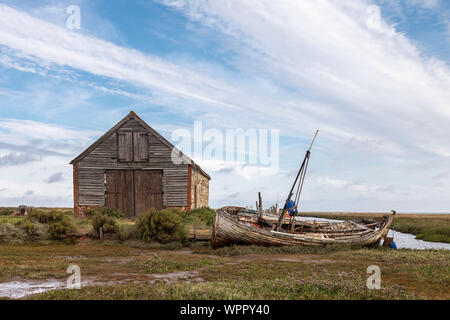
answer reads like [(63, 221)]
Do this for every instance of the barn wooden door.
[(134, 192), (119, 191), (149, 191)]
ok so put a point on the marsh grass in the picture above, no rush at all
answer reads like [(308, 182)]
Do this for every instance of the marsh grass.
[(258, 274), (274, 289), (154, 264), (427, 229), (7, 211), (236, 250), (236, 272), (133, 243)]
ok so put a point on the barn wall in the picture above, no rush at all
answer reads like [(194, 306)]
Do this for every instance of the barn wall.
[(90, 170), (199, 190)]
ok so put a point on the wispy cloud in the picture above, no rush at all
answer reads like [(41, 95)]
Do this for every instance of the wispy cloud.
[(297, 66), (13, 159), (43, 43), (335, 77), (56, 177), (35, 160)]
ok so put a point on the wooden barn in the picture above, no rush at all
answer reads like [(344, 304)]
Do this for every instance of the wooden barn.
[(131, 168)]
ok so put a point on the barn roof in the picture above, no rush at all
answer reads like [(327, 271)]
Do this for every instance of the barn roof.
[(133, 115)]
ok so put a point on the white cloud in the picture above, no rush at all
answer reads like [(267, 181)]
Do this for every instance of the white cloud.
[(337, 71), (241, 170), (303, 65), (360, 187), (34, 157), (323, 50), (48, 136), (44, 42)]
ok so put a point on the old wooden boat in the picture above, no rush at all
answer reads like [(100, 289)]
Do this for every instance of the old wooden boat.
[(237, 225)]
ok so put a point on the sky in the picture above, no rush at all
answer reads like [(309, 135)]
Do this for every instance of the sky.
[(376, 86)]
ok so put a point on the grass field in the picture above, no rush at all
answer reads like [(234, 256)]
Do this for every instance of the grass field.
[(118, 271), (133, 269)]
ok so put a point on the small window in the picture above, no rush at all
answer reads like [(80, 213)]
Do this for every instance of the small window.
[(132, 146), (125, 146), (140, 145)]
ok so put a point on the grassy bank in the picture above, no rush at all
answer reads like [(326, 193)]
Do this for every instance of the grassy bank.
[(124, 272), (428, 227), (436, 228)]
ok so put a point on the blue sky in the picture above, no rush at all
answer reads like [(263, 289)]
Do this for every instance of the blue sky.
[(380, 97)]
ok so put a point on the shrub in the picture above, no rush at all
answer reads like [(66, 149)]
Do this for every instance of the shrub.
[(30, 228), (60, 230), (103, 221), (163, 226), (6, 211), (200, 216), (113, 213), (13, 233), (47, 217), (110, 212), (33, 230), (126, 232)]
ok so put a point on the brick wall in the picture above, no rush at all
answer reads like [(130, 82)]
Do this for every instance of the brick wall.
[(199, 190)]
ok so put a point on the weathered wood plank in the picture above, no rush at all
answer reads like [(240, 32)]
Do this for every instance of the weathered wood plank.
[(150, 153)]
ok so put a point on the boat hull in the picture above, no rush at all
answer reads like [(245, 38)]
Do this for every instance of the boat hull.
[(228, 230)]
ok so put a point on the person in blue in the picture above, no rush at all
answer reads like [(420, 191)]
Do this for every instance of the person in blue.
[(291, 208)]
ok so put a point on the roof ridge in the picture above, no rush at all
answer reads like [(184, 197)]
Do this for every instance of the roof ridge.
[(146, 126)]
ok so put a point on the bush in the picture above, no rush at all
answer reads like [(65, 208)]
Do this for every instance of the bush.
[(200, 216), (30, 228), (47, 217), (126, 232), (162, 226), (13, 234), (60, 230), (34, 230), (110, 212), (108, 224), (6, 211), (113, 213)]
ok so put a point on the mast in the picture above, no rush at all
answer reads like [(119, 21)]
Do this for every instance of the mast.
[(301, 174)]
